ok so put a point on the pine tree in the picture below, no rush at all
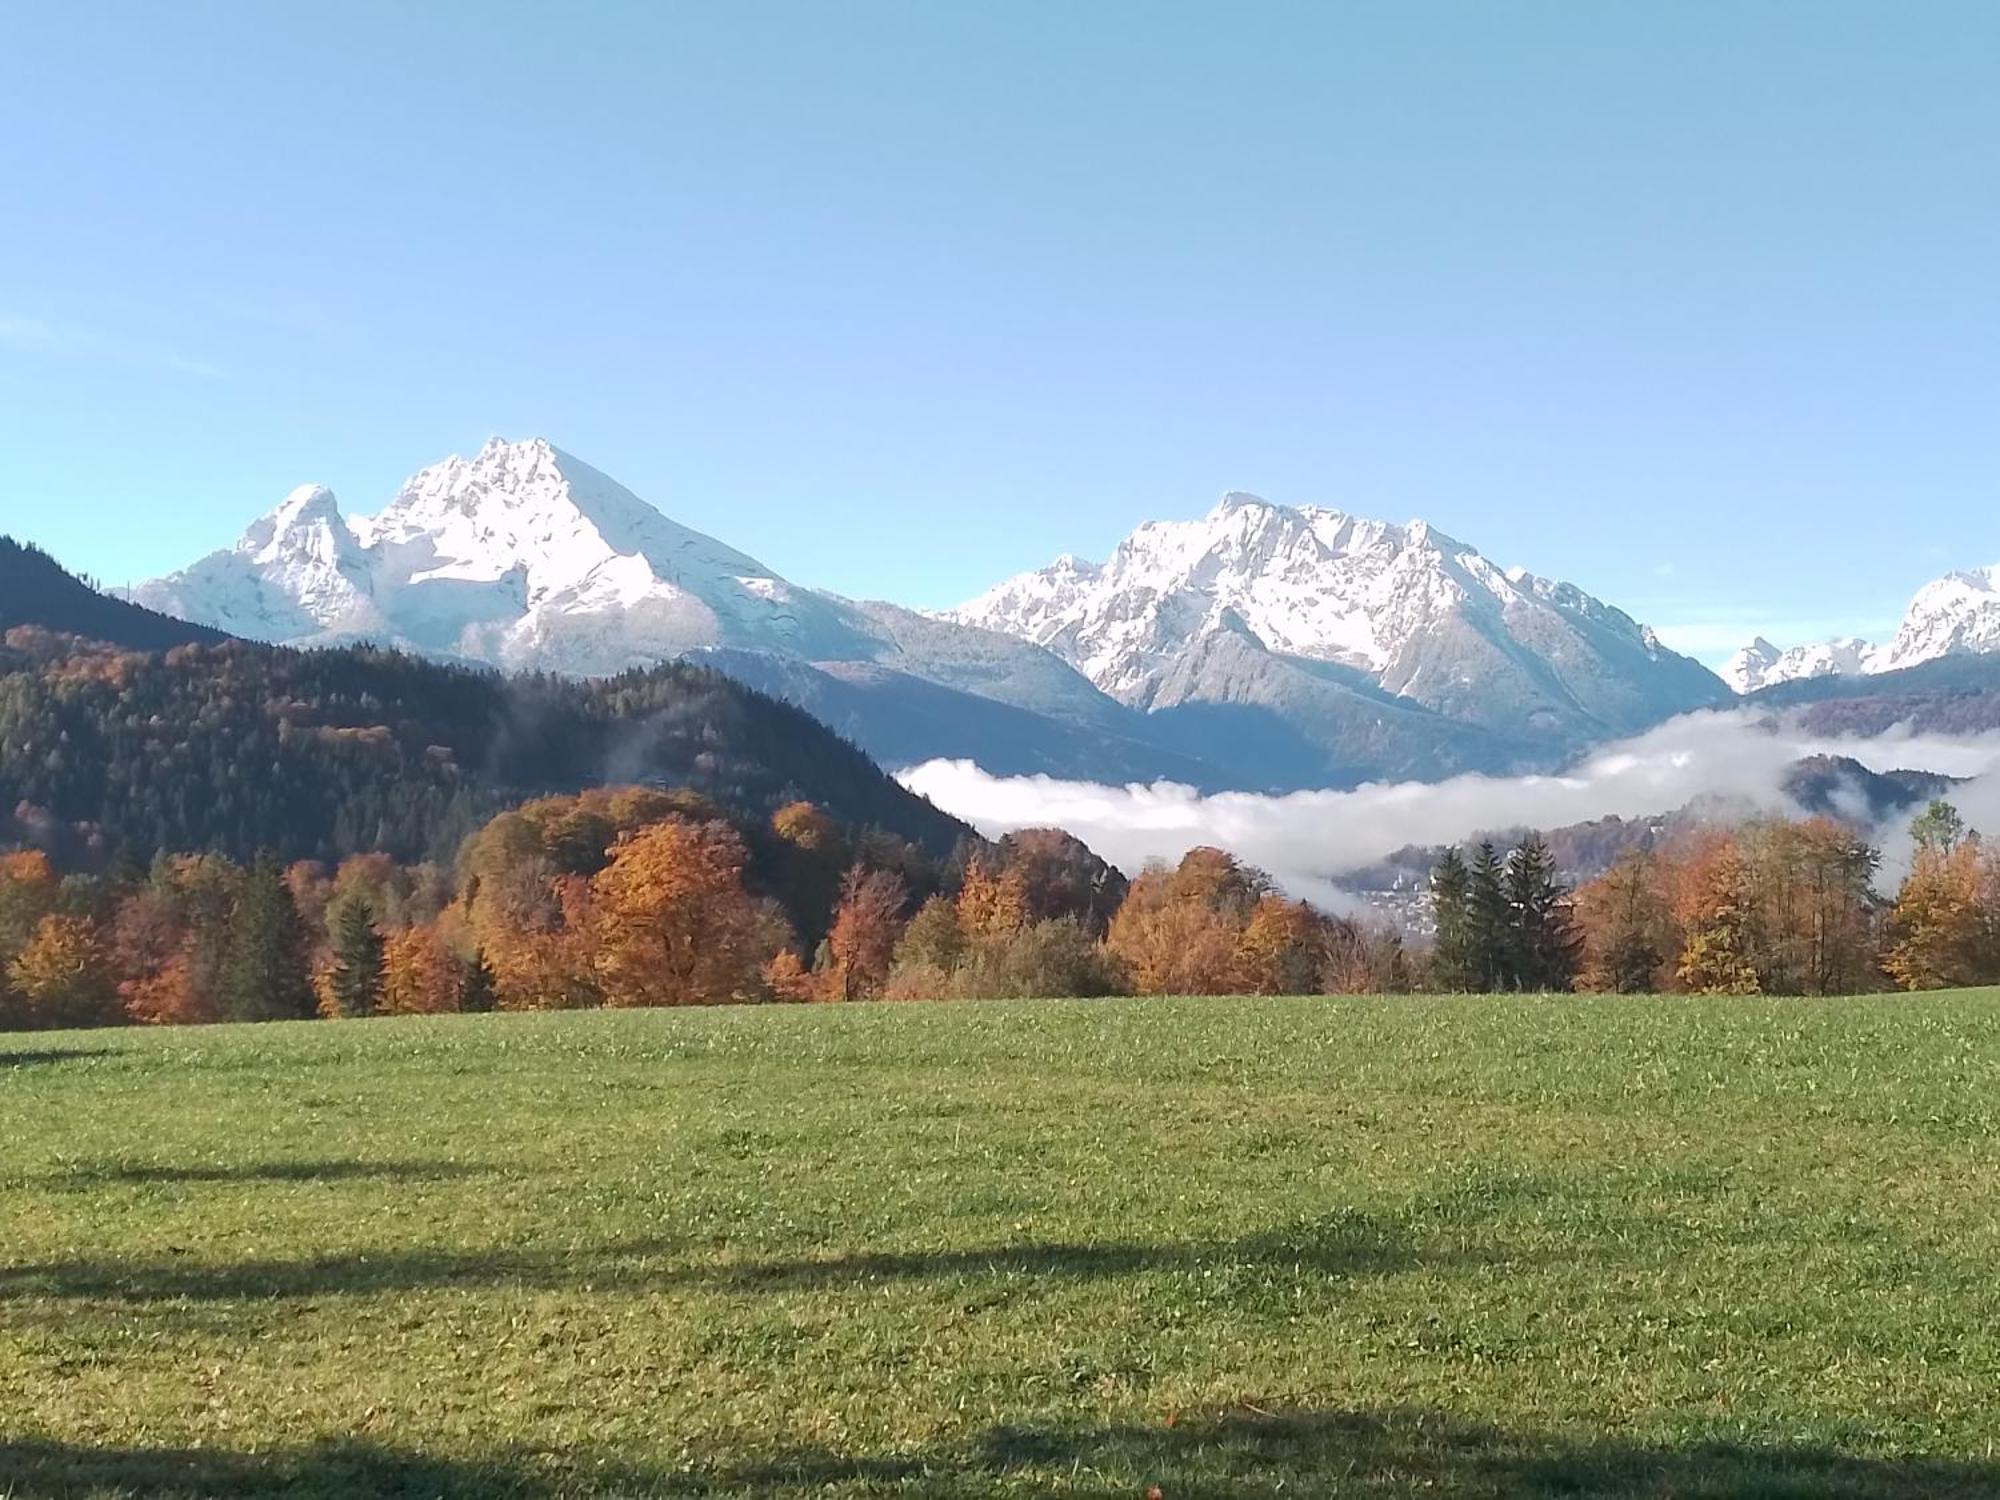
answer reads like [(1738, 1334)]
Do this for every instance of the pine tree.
[(265, 976), (357, 957), (1453, 965), (1541, 936), (477, 993), (1487, 938)]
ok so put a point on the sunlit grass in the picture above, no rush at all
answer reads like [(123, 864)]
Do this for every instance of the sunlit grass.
[(1329, 1246)]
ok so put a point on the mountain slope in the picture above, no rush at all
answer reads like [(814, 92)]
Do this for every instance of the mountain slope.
[(244, 748), (1949, 695), (1207, 610), (37, 590)]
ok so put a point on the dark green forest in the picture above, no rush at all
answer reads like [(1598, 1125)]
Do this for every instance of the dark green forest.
[(248, 750)]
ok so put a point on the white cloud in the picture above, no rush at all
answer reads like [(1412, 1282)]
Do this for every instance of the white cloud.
[(1307, 839)]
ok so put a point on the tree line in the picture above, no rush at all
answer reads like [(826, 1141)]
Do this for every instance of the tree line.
[(1776, 906), (638, 896)]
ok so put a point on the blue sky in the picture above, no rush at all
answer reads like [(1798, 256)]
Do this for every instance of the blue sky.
[(1697, 305)]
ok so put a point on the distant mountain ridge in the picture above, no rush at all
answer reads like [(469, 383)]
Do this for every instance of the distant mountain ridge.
[(1261, 647), (1220, 608), (1956, 615)]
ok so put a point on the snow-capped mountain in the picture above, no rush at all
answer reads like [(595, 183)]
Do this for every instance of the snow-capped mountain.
[(1956, 615), (1760, 664), (1260, 647), (521, 556), (1399, 614)]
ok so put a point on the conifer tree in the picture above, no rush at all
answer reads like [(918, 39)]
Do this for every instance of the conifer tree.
[(357, 957), (1541, 937), (265, 976), (1487, 941), (1453, 963), (477, 994)]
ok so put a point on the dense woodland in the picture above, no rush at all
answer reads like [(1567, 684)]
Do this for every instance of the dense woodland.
[(245, 750), (235, 832)]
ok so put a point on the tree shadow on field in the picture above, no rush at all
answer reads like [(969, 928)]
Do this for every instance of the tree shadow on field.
[(1343, 1246), (46, 1056), (1244, 1453), (139, 1173)]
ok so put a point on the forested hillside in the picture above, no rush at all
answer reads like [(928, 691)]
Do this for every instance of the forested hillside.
[(36, 590), (243, 750)]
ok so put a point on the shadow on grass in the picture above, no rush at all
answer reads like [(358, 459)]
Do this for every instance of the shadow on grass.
[(1341, 1245), (1246, 1453), (1347, 1245), (45, 1056), (270, 1171)]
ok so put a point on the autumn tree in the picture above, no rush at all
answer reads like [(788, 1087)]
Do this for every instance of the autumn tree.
[(673, 924), (61, 977), (28, 891), (1057, 875), (420, 974), (1180, 931), (992, 902), (861, 944), (1283, 949), (1716, 947), (1623, 921), (1936, 928)]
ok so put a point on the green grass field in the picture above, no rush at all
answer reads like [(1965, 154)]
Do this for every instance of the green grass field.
[(1227, 1247)]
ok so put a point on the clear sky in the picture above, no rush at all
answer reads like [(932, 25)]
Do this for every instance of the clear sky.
[(1695, 304)]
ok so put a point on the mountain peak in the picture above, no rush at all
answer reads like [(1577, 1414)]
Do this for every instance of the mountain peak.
[(1404, 605), (520, 555)]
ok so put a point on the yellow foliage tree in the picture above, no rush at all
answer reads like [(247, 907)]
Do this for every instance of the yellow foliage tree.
[(63, 976), (1937, 924)]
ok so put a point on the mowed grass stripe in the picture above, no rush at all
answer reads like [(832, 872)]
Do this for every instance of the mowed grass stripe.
[(1319, 1246)]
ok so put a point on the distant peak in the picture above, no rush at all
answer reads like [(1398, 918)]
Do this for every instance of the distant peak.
[(1241, 500), (297, 512), (309, 500)]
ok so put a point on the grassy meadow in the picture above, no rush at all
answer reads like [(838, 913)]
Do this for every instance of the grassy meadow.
[(1468, 1247)]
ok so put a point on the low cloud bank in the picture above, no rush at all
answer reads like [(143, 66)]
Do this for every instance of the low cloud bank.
[(1307, 840)]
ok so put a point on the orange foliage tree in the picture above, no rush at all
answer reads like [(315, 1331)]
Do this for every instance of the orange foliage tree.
[(671, 923), (862, 943), (420, 975)]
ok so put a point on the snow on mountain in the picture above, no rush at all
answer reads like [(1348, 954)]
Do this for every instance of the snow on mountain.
[(1402, 610), (521, 556), (1761, 664), (1956, 615)]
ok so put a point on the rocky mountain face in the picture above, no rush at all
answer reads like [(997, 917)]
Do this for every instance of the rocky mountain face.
[(1956, 615), (1327, 618), (1261, 647)]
